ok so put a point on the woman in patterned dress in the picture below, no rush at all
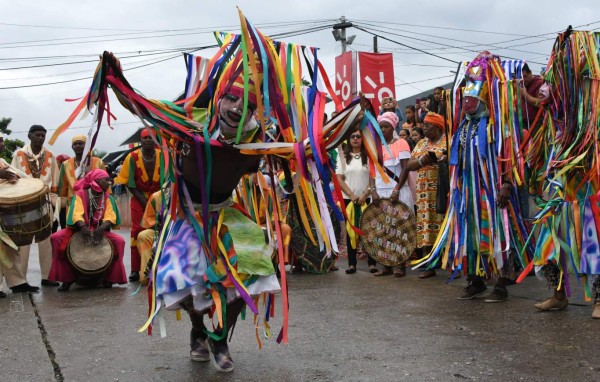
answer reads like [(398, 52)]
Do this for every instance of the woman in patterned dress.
[(422, 162)]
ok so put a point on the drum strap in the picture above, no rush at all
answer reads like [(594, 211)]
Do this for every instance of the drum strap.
[(391, 174)]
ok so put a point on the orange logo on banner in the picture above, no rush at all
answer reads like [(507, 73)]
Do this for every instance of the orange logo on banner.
[(377, 76)]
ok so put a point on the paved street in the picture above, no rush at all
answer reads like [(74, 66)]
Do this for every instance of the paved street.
[(342, 328)]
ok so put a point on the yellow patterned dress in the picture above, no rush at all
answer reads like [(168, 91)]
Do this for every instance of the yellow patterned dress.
[(428, 220)]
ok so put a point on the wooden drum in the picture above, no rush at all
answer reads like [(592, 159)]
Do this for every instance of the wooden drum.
[(89, 259), (25, 211)]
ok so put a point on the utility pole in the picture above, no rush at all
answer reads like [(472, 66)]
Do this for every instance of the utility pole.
[(339, 32), (375, 44)]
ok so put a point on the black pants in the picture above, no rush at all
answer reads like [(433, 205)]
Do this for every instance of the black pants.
[(352, 251), (62, 217)]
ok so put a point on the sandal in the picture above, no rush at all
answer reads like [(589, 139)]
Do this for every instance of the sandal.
[(372, 269), (351, 270), (383, 272), (427, 274), (400, 272)]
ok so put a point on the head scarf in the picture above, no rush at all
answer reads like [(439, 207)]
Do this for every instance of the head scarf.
[(389, 117), (89, 180), (79, 138), (436, 120), (145, 133), (237, 89)]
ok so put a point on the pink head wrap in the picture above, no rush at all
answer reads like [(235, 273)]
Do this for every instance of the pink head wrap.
[(388, 117), (89, 180)]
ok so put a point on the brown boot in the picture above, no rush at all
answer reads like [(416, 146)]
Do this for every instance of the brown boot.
[(596, 311), (552, 304)]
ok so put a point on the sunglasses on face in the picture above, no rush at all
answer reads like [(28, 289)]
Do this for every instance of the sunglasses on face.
[(355, 136)]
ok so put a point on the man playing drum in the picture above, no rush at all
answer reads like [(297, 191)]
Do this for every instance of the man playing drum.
[(69, 170), (92, 213), (37, 161), (9, 256)]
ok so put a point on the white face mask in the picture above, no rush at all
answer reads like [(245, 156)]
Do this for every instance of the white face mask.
[(544, 91)]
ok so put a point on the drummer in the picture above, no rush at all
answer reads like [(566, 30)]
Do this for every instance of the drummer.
[(38, 162), (9, 256), (92, 212), (69, 170)]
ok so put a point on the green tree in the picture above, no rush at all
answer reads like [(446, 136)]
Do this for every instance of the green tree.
[(10, 145)]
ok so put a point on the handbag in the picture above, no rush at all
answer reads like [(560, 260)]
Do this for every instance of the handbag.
[(443, 188)]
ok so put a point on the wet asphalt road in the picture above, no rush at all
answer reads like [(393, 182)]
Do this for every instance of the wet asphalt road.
[(342, 328)]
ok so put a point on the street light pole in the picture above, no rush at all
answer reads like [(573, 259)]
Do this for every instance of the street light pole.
[(339, 32)]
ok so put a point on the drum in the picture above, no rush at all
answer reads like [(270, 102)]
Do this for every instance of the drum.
[(89, 259), (309, 254), (390, 234), (25, 211)]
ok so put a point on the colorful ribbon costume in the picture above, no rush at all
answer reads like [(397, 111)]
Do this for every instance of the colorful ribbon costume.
[(476, 235), (565, 160), (289, 124)]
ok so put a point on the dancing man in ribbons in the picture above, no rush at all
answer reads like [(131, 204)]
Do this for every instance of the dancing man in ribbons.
[(564, 154), (246, 102), (483, 234), (92, 212)]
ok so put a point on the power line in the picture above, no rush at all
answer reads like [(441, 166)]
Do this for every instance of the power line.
[(524, 37), (77, 62), (446, 46), (408, 46), (429, 53), (145, 30), (81, 127), (194, 30), (437, 27), (204, 31), (283, 34), (429, 79)]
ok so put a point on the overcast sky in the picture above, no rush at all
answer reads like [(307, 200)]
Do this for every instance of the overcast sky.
[(30, 31)]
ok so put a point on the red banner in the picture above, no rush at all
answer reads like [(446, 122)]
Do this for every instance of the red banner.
[(377, 76), (345, 77)]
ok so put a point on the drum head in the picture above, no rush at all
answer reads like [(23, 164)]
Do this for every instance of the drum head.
[(24, 189), (390, 233), (87, 258)]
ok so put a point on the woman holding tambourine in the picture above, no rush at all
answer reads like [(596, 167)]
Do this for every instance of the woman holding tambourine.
[(395, 159)]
